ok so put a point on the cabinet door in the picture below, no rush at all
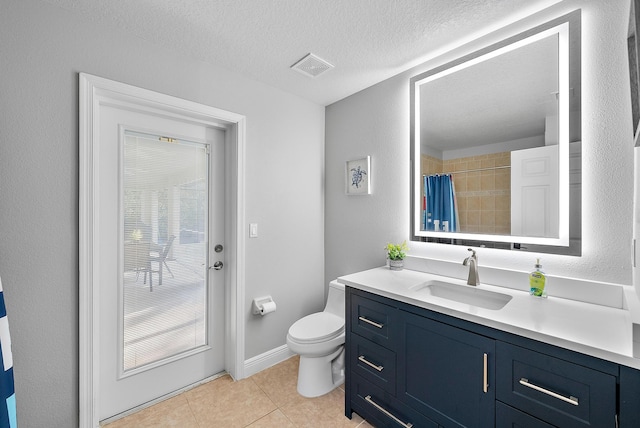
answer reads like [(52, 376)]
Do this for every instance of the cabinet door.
[(446, 373)]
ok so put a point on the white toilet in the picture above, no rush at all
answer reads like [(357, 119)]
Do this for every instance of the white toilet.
[(319, 340)]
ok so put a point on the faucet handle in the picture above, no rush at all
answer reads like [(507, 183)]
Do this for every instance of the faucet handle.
[(465, 262)]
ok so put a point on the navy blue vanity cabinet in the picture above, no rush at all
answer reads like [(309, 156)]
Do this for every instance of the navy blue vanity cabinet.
[(413, 367), (446, 373)]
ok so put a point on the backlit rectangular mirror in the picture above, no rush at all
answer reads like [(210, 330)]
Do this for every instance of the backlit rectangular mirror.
[(496, 144)]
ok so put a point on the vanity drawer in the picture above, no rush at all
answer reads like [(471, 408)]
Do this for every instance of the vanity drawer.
[(554, 390), (508, 417), (374, 320), (374, 362), (381, 409)]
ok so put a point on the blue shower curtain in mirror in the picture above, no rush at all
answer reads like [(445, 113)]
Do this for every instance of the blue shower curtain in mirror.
[(440, 211)]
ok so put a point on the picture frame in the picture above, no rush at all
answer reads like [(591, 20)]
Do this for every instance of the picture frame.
[(358, 176)]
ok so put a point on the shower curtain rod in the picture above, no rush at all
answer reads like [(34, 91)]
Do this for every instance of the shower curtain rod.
[(471, 170)]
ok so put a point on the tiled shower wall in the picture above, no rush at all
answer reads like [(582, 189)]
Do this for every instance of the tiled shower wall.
[(483, 190)]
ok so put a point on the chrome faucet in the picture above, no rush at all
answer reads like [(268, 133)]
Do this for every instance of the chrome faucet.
[(472, 262)]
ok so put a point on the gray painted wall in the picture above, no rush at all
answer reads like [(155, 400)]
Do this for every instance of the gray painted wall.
[(375, 122), (42, 50)]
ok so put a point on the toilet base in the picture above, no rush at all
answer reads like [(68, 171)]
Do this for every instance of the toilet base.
[(320, 375)]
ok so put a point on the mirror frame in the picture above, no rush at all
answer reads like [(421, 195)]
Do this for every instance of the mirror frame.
[(568, 27)]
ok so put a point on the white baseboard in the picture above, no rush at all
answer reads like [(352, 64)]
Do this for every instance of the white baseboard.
[(267, 359)]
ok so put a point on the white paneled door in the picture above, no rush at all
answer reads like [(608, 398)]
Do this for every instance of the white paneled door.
[(535, 201), (161, 220)]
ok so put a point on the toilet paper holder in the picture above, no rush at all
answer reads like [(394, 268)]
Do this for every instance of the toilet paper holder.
[(263, 305)]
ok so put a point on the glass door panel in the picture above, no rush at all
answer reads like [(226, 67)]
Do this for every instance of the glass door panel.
[(164, 249)]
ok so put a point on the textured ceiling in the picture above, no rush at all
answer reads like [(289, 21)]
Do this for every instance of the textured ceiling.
[(366, 40)]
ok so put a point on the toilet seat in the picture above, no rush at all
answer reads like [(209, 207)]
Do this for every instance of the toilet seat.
[(318, 327)]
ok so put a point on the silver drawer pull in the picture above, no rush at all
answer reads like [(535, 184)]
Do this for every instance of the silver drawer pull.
[(571, 400), (485, 375), (386, 412), (373, 323), (370, 364)]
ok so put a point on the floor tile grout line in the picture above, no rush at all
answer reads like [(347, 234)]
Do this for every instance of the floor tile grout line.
[(268, 398), (193, 414), (278, 407)]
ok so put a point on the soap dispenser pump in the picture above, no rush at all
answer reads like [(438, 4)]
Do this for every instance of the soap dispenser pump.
[(537, 281)]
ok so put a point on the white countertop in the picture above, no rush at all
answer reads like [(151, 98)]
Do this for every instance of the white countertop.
[(595, 330)]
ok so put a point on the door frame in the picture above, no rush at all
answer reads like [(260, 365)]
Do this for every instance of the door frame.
[(95, 92)]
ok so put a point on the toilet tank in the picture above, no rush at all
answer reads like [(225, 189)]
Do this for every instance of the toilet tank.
[(335, 299)]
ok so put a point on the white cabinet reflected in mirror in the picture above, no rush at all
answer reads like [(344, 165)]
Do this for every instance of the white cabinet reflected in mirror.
[(496, 144)]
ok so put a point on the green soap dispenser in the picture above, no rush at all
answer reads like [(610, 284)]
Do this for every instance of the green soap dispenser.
[(537, 281)]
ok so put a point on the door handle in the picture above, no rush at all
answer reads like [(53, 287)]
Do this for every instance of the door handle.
[(217, 265)]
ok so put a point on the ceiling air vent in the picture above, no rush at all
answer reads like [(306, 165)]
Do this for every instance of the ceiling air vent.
[(312, 66)]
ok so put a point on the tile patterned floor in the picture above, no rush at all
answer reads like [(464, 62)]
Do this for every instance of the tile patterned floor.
[(265, 400)]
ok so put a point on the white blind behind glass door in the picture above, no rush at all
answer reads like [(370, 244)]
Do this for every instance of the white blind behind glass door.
[(164, 249)]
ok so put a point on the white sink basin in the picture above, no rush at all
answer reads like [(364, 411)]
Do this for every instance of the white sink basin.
[(464, 294)]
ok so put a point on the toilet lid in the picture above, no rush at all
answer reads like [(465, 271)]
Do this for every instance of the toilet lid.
[(317, 327)]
